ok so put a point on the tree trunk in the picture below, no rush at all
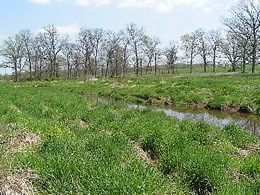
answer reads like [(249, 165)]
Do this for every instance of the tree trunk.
[(205, 65), (125, 68), (214, 59), (244, 65), (68, 69), (136, 61), (173, 68), (15, 72), (141, 66), (254, 52), (116, 71), (233, 67), (148, 66), (95, 68), (155, 63), (191, 61), (106, 72), (30, 65), (254, 60)]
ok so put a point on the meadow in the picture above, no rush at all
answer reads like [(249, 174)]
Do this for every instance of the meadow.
[(54, 141), (226, 92)]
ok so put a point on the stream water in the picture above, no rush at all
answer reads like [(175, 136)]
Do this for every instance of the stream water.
[(248, 122)]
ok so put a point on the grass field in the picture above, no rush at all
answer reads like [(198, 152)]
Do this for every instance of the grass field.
[(53, 141), (228, 92), (181, 69)]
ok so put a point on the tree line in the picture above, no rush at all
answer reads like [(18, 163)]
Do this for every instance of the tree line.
[(96, 52)]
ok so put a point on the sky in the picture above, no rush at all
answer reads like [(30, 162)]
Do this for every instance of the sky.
[(166, 19)]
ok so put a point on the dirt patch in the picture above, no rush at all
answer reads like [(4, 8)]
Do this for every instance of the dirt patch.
[(81, 82), (237, 176), (230, 109), (45, 109), (83, 124), (107, 132), (21, 142), (18, 183), (227, 109), (143, 155), (244, 152), (200, 105), (15, 108), (163, 101)]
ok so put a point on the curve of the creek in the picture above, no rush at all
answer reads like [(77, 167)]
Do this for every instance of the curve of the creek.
[(247, 122)]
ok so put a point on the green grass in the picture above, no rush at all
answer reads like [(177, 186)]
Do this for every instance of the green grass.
[(236, 92), (88, 148), (69, 158), (198, 69)]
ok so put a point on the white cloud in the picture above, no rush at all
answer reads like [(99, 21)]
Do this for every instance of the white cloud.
[(167, 5), (136, 3), (159, 6), (77, 2), (213, 7), (93, 2), (41, 1), (162, 7), (70, 29)]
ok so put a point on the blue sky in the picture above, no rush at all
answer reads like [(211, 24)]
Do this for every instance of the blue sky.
[(166, 19)]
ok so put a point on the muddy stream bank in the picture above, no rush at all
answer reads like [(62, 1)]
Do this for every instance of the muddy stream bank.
[(247, 122)]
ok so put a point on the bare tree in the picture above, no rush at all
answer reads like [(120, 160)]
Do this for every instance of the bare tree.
[(76, 61), (245, 23), (190, 46), (243, 36), (126, 51), (171, 55), (151, 51), (148, 50), (13, 51), (114, 55), (232, 51), (39, 57), (68, 51), (86, 49), (157, 53), (203, 47), (135, 36), (28, 44), (53, 43), (96, 37), (90, 41), (215, 40)]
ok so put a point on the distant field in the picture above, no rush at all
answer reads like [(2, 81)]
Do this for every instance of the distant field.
[(53, 141), (185, 69), (161, 70)]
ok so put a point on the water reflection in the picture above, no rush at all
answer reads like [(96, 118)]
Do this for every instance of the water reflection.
[(245, 121), (245, 124)]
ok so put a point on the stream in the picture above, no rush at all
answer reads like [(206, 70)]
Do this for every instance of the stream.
[(247, 122)]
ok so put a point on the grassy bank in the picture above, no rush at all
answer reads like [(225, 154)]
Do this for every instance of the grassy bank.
[(54, 141), (230, 93)]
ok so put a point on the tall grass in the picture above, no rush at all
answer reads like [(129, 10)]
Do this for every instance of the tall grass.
[(236, 92), (88, 148)]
